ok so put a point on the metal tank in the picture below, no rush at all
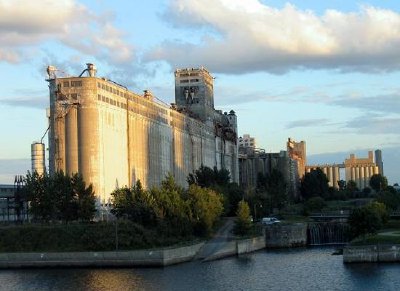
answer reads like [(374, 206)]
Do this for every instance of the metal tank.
[(38, 158)]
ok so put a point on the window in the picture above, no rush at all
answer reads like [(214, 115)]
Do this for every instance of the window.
[(74, 96), (66, 84), (76, 83), (99, 85), (99, 97), (184, 81)]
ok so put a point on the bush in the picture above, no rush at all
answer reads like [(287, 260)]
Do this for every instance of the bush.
[(84, 237), (314, 204)]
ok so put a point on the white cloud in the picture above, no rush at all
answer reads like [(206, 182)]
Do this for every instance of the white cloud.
[(246, 35), (25, 23)]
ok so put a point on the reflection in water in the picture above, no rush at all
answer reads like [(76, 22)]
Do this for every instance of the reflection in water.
[(296, 269)]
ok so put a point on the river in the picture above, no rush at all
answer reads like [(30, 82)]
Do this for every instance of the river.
[(294, 269)]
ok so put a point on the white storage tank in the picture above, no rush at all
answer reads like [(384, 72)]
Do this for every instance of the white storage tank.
[(38, 158)]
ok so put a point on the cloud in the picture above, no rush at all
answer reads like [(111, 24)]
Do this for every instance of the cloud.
[(25, 24), (308, 123), (237, 36), (374, 124), (389, 103)]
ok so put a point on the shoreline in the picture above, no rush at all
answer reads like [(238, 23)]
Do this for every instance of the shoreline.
[(122, 259)]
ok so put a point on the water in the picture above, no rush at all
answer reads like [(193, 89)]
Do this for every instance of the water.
[(296, 269)]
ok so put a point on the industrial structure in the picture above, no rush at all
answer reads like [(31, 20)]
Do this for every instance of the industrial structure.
[(355, 169), (114, 137), (38, 159), (256, 161), (297, 152), (247, 141)]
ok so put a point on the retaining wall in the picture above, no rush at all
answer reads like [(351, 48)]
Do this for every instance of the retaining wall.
[(286, 235), (371, 254), (157, 258)]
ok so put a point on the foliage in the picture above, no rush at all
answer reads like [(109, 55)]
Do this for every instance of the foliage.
[(207, 177), (59, 197), (275, 186), (390, 198), (219, 181), (170, 207), (313, 184), (351, 188), (314, 204), (99, 236), (242, 222), (378, 182), (367, 219), (206, 206)]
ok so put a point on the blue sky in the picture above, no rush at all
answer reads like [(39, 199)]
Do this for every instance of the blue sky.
[(326, 72)]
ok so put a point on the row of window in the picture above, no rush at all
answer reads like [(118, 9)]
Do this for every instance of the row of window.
[(72, 84), (189, 80), (188, 74), (111, 101), (136, 109)]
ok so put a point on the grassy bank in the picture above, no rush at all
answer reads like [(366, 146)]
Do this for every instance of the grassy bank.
[(390, 234), (84, 237)]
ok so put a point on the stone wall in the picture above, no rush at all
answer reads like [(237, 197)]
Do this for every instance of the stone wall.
[(371, 254), (285, 236)]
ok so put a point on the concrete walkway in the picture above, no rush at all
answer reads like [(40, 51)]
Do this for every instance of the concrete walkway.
[(223, 242)]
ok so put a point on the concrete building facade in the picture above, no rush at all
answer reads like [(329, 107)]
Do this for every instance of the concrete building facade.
[(360, 170), (297, 152), (253, 162), (114, 137), (247, 141), (356, 169)]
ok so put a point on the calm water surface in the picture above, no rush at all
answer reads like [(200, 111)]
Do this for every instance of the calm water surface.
[(298, 269)]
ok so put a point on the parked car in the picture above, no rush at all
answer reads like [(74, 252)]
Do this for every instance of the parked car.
[(269, 220)]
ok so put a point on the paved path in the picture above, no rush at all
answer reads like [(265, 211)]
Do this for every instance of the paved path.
[(221, 240)]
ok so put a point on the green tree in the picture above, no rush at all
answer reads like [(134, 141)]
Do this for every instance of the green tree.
[(59, 197), (85, 198), (389, 198), (313, 184), (206, 207), (42, 204), (243, 219), (207, 177), (367, 219), (378, 182), (122, 200)]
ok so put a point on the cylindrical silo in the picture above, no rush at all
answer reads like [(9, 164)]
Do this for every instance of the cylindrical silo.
[(38, 158)]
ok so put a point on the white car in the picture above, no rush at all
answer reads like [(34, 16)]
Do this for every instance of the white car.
[(269, 220)]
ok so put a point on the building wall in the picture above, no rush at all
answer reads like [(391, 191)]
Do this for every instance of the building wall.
[(251, 163), (114, 137)]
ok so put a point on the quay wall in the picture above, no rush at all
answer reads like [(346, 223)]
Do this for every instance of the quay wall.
[(372, 254), (286, 235), (151, 258)]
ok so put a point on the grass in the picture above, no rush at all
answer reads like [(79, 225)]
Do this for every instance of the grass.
[(376, 239), (392, 226)]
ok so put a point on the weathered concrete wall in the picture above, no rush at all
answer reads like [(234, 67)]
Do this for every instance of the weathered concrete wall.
[(114, 137), (250, 245), (371, 254), (285, 236), (159, 258)]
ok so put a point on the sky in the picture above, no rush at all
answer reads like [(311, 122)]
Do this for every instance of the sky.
[(326, 72)]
